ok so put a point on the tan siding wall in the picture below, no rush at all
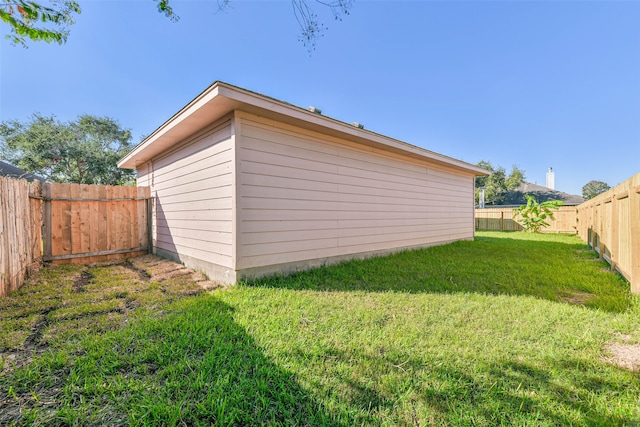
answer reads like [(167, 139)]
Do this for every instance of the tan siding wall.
[(303, 196), (193, 191)]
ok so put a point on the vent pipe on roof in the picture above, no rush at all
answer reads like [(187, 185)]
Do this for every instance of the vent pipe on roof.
[(551, 179), (314, 109), (358, 125)]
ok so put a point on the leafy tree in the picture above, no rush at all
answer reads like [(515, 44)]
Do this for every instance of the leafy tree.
[(32, 20), (515, 178), (38, 22), (85, 151), (592, 188), (498, 183), (482, 180), (534, 214)]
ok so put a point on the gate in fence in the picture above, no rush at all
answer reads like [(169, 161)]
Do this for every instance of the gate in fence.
[(90, 223)]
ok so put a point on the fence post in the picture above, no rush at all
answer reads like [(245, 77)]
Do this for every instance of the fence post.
[(149, 225), (36, 206), (594, 231), (594, 226), (601, 222), (634, 218), (46, 219)]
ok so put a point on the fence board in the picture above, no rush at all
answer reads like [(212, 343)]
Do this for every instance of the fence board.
[(35, 209), (113, 207), (20, 232), (85, 220), (76, 218)]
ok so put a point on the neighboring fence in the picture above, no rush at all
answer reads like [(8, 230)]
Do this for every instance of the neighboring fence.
[(501, 219), (20, 232), (610, 224), (68, 223)]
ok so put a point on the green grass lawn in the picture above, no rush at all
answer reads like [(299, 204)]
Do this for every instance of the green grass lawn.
[(511, 329)]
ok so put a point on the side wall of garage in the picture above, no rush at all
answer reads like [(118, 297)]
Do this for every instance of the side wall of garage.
[(192, 187), (307, 199)]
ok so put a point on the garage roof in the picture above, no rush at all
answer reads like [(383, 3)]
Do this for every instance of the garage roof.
[(222, 98)]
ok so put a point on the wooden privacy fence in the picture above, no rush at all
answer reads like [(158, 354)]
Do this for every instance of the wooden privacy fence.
[(68, 223), (610, 224), (20, 232), (90, 223), (501, 219)]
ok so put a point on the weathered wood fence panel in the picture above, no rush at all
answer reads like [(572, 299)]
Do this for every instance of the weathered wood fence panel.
[(68, 223), (501, 219), (610, 224), (20, 232), (91, 223)]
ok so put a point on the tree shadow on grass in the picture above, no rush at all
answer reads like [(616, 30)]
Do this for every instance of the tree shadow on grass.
[(514, 393), (554, 271), (192, 365), (438, 392)]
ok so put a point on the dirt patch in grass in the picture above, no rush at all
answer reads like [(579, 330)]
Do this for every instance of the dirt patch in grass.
[(162, 270), (61, 306), (142, 273), (34, 338), (67, 302), (577, 298), (624, 355), (82, 281)]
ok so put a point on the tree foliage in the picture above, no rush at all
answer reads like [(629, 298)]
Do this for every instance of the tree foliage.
[(84, 151), (498, 183), (592, 188), (533, 215), (515, 178), (310, 26), (38, 22), (49, 22)]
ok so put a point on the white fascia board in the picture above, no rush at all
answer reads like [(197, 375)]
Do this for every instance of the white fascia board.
[(298, 113), (137, 155)]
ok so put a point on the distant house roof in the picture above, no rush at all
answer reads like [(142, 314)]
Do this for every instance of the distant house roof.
[(13, 172), (541, 193)]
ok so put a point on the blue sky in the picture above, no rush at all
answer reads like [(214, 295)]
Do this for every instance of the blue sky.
[(531, 83)]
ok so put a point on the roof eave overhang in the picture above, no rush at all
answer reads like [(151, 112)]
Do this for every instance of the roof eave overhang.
[(220, 99)]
